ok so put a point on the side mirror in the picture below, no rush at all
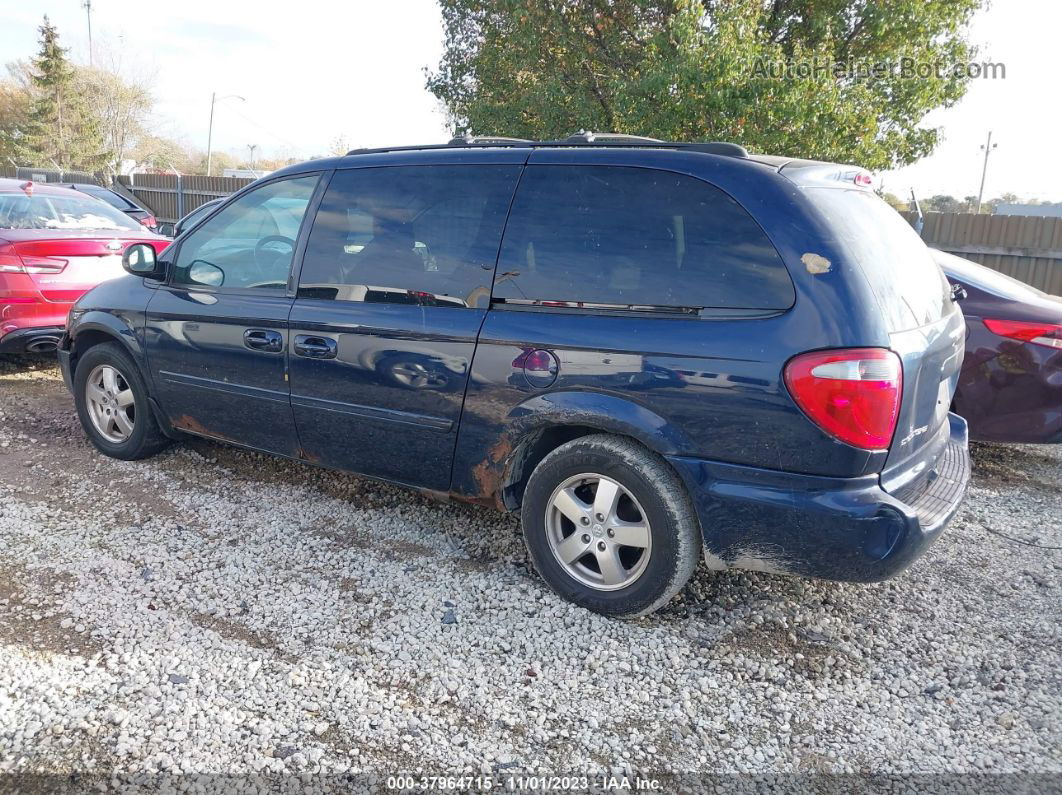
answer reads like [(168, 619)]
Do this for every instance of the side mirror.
[(140, 260), (206, 273)]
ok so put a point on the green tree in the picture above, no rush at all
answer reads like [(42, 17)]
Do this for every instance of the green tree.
[(14, 112), (118, 109), (759, 72), (1006, 198), (894, 201), (942, 203), (60, 125)]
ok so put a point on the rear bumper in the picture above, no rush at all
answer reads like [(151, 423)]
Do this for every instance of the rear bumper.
[(42, 339), (846, 529)]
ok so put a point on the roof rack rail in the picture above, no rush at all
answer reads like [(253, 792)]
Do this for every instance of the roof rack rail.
[(468, 140), (587, 137), (584, 138)]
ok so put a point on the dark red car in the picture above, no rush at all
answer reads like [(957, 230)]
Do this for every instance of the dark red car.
[(56, 244), (1010, 386)]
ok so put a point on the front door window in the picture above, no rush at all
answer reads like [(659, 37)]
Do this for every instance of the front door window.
[(250, 243)]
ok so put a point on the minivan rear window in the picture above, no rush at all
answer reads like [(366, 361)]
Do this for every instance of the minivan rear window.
[(910, 286), (623, 237)]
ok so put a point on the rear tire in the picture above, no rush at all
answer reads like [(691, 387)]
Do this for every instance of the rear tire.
[(609, 526), (112, 404)]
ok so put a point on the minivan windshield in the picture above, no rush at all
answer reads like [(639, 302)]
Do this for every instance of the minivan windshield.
[(909, 284), (55, 211)]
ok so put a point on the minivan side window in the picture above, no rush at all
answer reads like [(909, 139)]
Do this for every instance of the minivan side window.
[(623, 237), (249, 243), (424, 235)]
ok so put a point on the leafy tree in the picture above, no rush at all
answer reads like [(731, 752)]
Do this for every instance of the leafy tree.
[(164, 154), (60, 125), (942, 203), (894, 201), (14, 112), (708, 69), (118, 108), (339, 146), (1006, 198)]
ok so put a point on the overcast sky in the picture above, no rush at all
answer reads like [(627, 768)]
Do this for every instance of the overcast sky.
[(313, 70)]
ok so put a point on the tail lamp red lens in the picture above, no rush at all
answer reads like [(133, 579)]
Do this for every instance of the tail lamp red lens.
[(12, 262), (1048, 334), (852, 394)]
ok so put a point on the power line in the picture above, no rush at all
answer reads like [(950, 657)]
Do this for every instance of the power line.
[(264, 129)]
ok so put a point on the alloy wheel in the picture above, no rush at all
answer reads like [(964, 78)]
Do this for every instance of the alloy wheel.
[(598, 532), (109, 400)]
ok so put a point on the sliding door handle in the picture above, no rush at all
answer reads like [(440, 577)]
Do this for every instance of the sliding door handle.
[(313, 347)]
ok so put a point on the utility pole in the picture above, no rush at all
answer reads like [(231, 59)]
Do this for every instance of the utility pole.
[(87, 5), (214, 99), (210, 130), (252, 147), (987, 147)]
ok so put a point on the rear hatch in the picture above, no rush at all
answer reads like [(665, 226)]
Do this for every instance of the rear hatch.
[(926, 326)]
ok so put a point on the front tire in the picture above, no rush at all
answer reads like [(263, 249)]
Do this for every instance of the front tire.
[(112, 404), (609, 526)]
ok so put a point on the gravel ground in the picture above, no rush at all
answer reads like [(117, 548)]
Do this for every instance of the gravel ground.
[(216, 611)]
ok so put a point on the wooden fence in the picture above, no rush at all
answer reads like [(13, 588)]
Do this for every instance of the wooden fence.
[(49, 175), (168, 196), (171, 197), (1028, 248)]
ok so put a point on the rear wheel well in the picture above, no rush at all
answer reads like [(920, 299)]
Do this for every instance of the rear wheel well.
[(530, 451)]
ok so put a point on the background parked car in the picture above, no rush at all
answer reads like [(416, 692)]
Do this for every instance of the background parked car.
[(119, 202), (56, 244), (1010, 386), (190, 219)]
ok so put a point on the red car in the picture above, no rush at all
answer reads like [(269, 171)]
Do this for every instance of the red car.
[(1010, 386), (56, 244)]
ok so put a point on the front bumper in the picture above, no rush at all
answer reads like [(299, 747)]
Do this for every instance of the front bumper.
[(846, 529), (31, 340)]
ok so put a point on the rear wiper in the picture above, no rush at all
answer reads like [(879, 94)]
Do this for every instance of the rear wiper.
[(958, 292)]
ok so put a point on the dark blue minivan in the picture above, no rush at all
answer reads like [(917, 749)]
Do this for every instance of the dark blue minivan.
[(656, 352)]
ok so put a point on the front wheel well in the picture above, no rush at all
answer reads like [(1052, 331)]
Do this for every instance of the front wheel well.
[(89, 338)]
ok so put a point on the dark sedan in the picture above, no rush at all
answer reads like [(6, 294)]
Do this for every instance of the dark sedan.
[(118, 202), (1010, 387)]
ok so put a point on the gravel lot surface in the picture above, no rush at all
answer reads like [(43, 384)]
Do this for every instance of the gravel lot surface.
[(216, 611)]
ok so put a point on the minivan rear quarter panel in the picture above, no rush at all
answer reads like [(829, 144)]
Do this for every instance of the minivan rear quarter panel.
[(706, 387)]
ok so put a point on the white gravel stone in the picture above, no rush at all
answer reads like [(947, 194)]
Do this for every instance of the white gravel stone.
[(292, 619)]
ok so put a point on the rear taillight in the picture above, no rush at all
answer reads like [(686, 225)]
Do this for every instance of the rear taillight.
[(43, 264), (149, 221), (1048, 334), (11, 262), (852, 394)]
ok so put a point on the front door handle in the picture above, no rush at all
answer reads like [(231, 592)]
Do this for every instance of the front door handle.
[(263, 340), (313, 347)]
